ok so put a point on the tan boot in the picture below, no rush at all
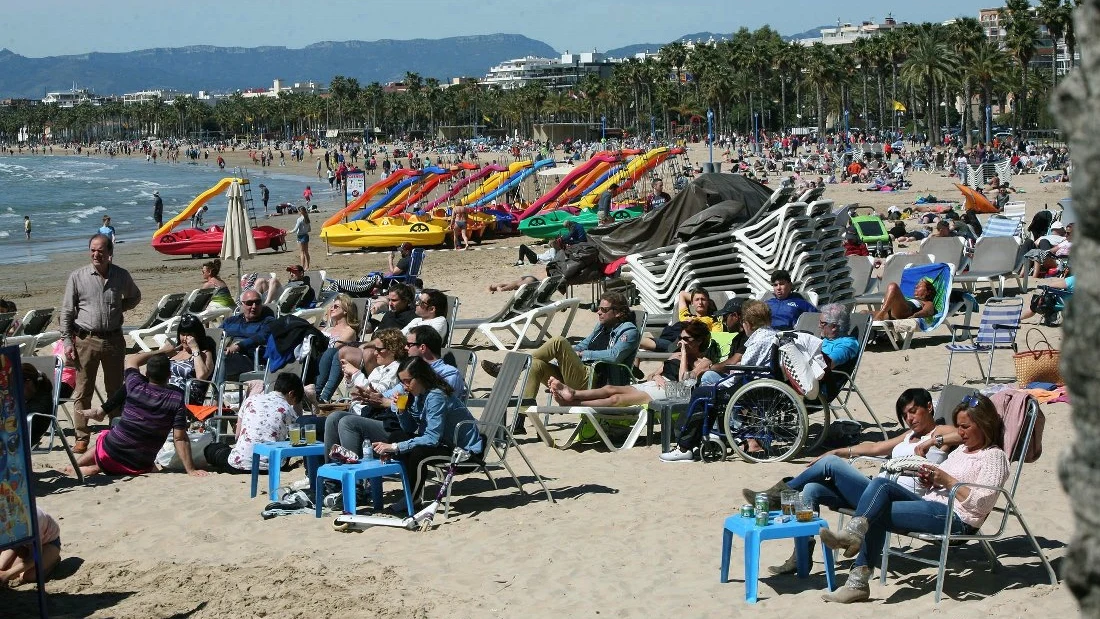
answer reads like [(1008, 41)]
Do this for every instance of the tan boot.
[(849, 539), (773, 494), (790, 566), (857, 589)]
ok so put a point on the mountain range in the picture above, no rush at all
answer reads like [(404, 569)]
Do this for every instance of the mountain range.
[(222, 69)]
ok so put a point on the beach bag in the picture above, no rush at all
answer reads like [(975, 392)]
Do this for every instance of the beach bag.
[(802, 362), (167, 458), (1038, 363)]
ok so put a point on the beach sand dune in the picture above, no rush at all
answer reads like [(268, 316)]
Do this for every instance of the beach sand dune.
[(629, 536)]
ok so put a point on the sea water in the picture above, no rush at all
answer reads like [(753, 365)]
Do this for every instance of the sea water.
[(67, 197)]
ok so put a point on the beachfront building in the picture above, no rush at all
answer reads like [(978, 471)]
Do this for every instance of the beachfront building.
[(845, 34), (72, 98), (278, 87), (1048, 52), (149, 96), (555, 73)]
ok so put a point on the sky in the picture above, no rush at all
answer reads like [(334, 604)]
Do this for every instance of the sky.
[(37, 28)]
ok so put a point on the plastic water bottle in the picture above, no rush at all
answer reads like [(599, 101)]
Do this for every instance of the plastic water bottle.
[(368, 450)]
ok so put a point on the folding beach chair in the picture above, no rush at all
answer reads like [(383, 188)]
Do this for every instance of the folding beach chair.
[(999, 324), (995, 258), (521, 298), (493, 423), (53, 367)]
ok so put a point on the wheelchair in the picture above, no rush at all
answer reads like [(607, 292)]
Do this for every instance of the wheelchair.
[(760, 406)]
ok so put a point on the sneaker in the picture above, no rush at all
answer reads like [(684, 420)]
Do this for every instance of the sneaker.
[(340, 455), (678, 456), (333, 502), (301, 484), (517, 263), (492, 369)]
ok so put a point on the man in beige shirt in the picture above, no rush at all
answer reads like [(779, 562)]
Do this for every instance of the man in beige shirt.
[(91, 320)]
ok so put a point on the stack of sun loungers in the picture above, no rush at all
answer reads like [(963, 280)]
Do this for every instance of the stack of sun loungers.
[(801, 237)]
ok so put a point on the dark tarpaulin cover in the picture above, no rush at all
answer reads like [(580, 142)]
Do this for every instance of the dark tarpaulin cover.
[(661, 228)]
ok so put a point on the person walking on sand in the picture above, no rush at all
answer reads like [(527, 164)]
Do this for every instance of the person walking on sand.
[(158, 209), (107, 229), (301, 231), (459, 221), (308, 195), (27, 226), (95, 298), (265, 193), (319, 177)]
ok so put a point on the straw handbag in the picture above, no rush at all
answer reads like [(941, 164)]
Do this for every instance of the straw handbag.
[(1038, 364)]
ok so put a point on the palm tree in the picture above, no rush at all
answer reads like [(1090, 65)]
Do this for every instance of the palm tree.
[(966, 36), (929, 65), (988, 68), (820, 71), (1021, 35), (1056, 14)]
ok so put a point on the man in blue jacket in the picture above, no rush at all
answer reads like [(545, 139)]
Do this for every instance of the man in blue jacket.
[(248, 330), (786, 305), (614, 340)]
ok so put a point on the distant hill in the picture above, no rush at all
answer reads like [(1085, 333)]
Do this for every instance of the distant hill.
[(221, 69), (629, 50), (812, 33)]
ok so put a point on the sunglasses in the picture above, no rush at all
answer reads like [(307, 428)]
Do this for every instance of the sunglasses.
[(250, 303), (687, 339), (423, 304), (603, 310), (971, 400), (410, 344)]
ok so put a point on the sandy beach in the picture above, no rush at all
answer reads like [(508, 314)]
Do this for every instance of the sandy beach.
[(629, 536)]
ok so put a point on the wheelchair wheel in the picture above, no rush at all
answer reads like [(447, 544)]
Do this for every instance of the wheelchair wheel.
[(817, 426), (770, 413), (712, 450)]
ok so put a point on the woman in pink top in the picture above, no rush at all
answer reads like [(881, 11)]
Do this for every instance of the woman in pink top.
[(887, 506)]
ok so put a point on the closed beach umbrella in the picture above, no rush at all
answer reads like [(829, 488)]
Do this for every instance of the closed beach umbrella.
[(237, 241)]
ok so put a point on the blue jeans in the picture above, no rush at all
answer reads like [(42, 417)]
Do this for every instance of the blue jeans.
[(328, 374), (710, 378), (888, 506), (832, 482)]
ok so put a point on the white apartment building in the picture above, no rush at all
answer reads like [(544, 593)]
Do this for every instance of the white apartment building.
[(562, 72)]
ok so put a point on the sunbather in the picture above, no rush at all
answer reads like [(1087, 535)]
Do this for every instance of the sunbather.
[(895, 305), (343, 317), (691, 305), (693, 342), (514, 284)]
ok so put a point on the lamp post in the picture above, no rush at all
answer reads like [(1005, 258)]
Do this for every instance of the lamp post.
[(847, 133), (988, 124), (603, 128), (652, 128), (756, 132), (710, 135)]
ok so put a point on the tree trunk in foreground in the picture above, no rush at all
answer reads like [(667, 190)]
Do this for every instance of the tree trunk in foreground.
[(1077, 107)]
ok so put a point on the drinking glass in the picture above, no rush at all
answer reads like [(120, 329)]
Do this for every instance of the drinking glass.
[(310, 431), (295, 434), (805, 510), (402, 401), (788, 499)]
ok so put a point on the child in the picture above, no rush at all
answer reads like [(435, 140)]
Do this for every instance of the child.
[(17, 564)]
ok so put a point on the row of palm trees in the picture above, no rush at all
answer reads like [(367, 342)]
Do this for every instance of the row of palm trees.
[(753, 79)]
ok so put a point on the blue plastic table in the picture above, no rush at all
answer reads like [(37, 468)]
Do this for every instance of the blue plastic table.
[(753, 535), (277, 452), (349, 474)]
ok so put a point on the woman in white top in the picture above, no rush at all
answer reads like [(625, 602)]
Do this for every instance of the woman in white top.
[(301, 232), (431, 310), (886, 505), (831, 481)]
